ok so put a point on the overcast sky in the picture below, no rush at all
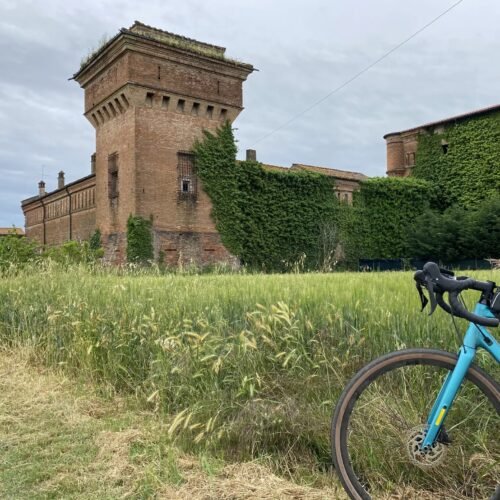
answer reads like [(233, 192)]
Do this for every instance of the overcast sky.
[(303, 50)]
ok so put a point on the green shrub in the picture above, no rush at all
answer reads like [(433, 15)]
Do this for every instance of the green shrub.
[(457, 233), (73, 252), (95, 241), (16, 251), (139, 240)]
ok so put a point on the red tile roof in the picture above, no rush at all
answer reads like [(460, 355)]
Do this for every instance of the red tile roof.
[(332, 172), (278, 168), (464, 116), (5, 231)]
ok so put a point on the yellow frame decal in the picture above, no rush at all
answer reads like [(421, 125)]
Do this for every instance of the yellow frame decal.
[(440, 416)]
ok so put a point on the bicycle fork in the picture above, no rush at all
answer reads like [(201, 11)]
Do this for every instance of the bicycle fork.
[(476, 336), (447, 395)]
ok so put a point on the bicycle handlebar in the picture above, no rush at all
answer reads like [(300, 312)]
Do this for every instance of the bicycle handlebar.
[(439, 281), (460, 311)]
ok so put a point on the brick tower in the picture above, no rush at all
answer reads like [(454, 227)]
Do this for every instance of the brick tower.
[(149, 95)]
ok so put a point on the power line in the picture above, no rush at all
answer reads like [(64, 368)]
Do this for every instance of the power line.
[(357, 75)]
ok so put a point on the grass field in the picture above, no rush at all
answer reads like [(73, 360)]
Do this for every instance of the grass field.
[(236, 367)]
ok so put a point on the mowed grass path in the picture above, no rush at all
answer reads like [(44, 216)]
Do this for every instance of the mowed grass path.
[(59, 439)]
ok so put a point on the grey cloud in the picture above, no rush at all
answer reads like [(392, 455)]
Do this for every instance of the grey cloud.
[(302, 49)]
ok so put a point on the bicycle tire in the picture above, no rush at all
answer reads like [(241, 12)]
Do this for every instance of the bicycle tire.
[(358, 385)]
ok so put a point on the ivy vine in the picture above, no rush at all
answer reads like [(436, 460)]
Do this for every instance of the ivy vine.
[(139, 240), (463, 161), (271, 220)]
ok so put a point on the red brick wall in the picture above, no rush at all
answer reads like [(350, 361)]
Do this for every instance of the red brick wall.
[(107, 82), (187, 248), (184, 79), (116, 135), (65, 214), (395, 155), (401, 153)]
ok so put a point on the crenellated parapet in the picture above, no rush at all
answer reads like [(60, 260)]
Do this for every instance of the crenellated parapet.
[(141, 62)]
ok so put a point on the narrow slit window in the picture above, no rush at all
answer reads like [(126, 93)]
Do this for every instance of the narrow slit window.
[(410, 159), (195, 110), (113, 176), (149, 99), (165, 101), (223, 114), (180, 105), (210, 112)]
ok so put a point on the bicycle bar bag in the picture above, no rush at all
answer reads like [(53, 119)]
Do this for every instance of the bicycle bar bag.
[(495, 304)]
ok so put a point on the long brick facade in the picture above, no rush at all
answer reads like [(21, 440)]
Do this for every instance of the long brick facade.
[(69, 213), (149, 94)]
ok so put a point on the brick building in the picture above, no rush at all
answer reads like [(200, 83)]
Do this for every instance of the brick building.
[(149, 94), (402, 146), (11, 231), (345, 182)]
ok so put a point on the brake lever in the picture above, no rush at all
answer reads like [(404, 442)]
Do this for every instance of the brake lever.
[(432, 297), (442, 303), (423, 298)]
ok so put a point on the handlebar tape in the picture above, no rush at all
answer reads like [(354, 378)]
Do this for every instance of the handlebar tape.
[(460, 311)]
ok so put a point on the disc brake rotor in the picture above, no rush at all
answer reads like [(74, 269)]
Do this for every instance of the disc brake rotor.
[(424, 459)]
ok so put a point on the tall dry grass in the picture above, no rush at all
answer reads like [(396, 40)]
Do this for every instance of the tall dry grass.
[(245, 365)]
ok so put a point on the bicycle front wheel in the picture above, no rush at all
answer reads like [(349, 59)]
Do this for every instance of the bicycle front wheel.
[(380, 421)]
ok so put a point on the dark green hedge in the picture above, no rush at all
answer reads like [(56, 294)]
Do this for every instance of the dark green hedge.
[(470, 169), (457, 233), (272, 220)]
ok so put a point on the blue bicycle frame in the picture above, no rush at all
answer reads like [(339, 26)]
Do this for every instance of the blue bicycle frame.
[(475, 337)]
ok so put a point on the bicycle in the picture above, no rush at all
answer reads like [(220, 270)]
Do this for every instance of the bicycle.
[(388, 431)]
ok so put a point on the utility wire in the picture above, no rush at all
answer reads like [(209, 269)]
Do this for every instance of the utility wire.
[(357, 75)]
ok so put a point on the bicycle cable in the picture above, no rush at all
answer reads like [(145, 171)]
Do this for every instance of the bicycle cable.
[(456, 329), (455, 323)]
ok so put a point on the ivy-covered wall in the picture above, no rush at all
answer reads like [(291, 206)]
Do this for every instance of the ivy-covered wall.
[(469, 171), (376, 226), (271, 220)]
